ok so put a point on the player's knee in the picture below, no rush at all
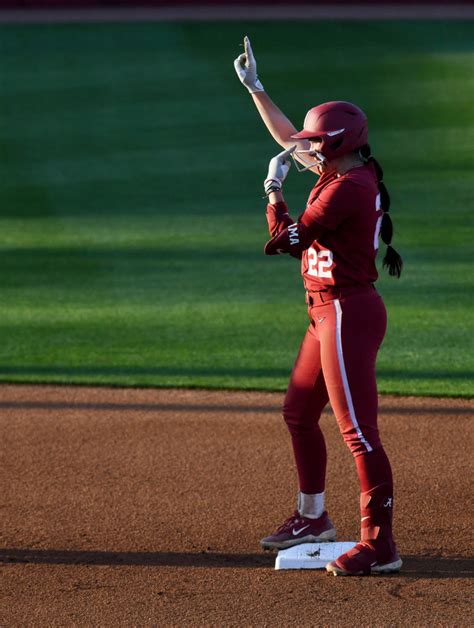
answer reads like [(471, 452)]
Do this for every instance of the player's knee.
[(296, 420), (361, 442)]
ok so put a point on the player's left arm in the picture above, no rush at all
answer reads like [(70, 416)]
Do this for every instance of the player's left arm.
[(295, 238), (288, 236)]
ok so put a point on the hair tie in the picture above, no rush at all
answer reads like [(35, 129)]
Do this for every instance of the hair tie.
[(365, 158)]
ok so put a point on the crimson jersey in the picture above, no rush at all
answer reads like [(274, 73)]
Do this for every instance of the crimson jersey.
[(337, 234)]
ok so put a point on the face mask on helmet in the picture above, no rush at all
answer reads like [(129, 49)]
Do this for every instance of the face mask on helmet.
[(318, 159)]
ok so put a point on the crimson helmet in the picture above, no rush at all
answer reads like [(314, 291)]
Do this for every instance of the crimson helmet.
[(341, 127)]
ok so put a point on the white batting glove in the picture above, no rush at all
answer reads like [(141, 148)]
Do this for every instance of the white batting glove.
[(246, 68), (278, 168)]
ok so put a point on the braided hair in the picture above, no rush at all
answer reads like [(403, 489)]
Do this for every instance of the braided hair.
[(392, 259)]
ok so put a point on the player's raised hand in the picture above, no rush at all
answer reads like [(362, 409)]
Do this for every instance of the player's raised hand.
[(246, 68), (278, 169), (280, 164)]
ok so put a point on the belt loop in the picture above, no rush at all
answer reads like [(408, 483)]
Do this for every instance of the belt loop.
[(322, 294)]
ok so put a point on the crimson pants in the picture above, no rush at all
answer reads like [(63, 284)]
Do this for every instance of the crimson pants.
[(336, 363)]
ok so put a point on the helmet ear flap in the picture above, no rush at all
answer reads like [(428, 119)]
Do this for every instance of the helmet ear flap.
[(337, 144)]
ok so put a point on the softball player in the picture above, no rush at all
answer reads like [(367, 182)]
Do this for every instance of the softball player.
[(336, 238)]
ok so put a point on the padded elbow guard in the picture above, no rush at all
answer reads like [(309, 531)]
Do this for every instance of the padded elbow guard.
[(293, 240)]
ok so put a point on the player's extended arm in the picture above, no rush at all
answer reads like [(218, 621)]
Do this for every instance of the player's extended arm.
[(280, 128)]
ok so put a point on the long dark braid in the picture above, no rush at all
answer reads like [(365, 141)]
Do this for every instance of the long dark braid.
[(392, 259)]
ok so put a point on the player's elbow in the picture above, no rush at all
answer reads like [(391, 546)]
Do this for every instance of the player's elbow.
[(292, 240)]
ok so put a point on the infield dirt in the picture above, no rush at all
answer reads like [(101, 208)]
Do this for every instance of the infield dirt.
[(145, 507)]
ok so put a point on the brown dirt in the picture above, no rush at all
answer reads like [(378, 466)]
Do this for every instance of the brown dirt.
[(145, 507)]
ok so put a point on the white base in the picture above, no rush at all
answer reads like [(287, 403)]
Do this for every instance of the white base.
[(311, 555)]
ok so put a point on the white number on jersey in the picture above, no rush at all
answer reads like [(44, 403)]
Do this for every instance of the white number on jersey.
[(319, 263), (378, 224), (377, 232)]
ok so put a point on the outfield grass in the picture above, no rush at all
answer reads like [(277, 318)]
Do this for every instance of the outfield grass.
[(132, 218)]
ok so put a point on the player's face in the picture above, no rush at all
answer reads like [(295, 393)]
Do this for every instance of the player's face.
[(312, 158), (315, 146), (323, 164)]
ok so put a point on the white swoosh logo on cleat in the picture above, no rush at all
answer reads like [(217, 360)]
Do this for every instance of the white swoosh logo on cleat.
[(296, 532)]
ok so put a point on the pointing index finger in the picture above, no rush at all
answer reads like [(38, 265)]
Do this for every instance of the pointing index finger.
[(288, 151), (248, 49)]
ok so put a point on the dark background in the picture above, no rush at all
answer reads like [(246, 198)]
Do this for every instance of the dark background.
[(64, 4)]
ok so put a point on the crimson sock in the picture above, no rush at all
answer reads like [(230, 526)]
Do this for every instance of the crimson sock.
[(373, 469)]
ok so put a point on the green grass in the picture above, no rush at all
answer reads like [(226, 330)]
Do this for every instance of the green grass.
[(131, 212)]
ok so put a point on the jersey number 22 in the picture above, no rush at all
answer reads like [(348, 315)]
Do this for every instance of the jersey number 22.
[(319, 263)]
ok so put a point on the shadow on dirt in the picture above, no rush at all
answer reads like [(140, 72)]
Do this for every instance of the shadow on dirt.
[(143, 559), (413, 566), (437, 567), (228, 408)]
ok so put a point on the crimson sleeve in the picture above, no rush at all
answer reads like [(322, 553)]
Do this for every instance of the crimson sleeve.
[(278, 218), (294, 239), (336, 202)]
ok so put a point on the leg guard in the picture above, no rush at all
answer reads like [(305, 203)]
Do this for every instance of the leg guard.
[(376, 511)]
